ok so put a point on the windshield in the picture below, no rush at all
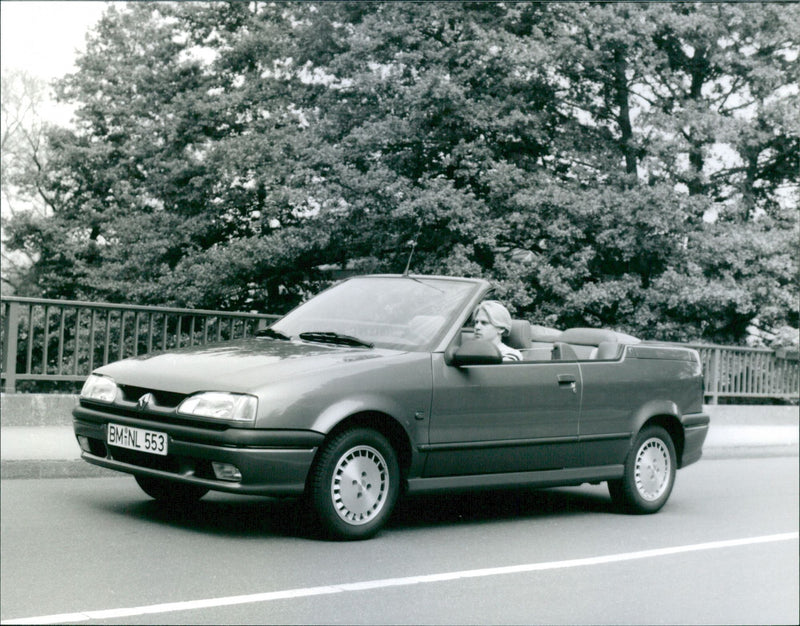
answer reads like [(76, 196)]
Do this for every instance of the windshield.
[(404, 313)]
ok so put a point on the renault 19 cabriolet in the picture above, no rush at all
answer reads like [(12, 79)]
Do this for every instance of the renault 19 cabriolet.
[(376, 387)]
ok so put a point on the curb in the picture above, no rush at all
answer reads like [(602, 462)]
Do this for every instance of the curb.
[(748, 452)]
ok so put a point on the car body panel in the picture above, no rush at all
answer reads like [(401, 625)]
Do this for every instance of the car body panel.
[(243, 365), (503, 418), (619, 397), (273, 463)]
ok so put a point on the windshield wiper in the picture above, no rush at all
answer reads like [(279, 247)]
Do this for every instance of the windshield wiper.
[(269, 332), (329, 337)]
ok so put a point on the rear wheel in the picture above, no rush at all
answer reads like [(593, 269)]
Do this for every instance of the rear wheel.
[(170, 492), (354, 484), (649, 473)]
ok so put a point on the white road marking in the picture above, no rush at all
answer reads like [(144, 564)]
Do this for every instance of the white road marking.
[(290, 594)]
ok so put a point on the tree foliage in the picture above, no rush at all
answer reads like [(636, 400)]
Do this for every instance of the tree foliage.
[(624, 165)]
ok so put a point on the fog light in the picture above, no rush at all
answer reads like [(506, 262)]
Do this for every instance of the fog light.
[(226, 471), (83, 442)]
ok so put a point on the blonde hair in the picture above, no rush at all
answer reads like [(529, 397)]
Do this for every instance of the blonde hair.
[(498, 315)]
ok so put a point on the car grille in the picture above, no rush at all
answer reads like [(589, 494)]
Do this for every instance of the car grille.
[(162, 399)]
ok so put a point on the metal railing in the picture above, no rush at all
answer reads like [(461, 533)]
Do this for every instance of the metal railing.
[(739, 372), (63, 340)]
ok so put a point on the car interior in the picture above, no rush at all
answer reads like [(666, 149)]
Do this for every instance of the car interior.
[(540, 343)]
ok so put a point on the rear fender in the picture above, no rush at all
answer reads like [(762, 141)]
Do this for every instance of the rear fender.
[(652, 409), (665, 414)]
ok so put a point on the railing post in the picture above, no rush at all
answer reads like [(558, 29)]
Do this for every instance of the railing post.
[(10, 347), (714, 382)]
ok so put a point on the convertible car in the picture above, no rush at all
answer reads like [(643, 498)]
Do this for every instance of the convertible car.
[(376, 387)]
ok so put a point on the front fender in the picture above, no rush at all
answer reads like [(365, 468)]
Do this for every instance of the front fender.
[(405, 427), (365, 403)]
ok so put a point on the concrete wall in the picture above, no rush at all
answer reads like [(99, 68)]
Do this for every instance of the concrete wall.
[(56, 410), (36, 409), (755, 415)]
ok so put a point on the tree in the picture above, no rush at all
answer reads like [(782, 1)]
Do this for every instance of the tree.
[(681, 97), (23, 157), (602, 197), (158, 172), (225, 152), (726, 79)]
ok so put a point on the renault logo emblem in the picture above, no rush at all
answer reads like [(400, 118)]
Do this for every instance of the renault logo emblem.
[(142, 403)]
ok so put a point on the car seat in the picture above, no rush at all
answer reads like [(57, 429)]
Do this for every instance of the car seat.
[(519, 335)]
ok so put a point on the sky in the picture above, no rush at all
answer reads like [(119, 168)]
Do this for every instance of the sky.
[(41, 37)]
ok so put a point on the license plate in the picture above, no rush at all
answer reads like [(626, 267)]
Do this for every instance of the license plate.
[(137, 439)]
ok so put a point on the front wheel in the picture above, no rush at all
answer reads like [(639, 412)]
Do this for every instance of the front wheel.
[(354, 484), (170, 492), (649, 473)]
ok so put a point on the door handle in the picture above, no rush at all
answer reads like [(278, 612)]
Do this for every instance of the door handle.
[(568, 381)]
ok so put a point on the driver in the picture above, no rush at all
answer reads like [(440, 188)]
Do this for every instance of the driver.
[(492, 323)]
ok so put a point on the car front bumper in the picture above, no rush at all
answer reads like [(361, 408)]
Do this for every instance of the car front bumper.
[(271, 462)]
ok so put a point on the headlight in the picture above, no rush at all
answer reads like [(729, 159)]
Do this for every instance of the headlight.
[(99, 388), (224, 406)]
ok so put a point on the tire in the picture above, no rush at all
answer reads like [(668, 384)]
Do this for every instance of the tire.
[(170, 492), (649, 473), (354, 484)]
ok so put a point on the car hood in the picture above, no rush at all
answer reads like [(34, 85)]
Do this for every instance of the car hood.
[(243, 365)]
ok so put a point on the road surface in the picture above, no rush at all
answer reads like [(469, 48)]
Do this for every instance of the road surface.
[(96, 550)]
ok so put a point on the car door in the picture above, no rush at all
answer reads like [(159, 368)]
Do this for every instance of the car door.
[(508, 417)]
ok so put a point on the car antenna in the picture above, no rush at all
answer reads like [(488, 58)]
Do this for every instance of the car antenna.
[(413, 243)]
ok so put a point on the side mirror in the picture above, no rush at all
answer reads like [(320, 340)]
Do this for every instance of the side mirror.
[(474, 352)]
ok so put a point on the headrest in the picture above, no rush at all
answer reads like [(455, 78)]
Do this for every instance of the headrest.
[(543, 334), (519, 336), (607, 350), (595, 336)]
